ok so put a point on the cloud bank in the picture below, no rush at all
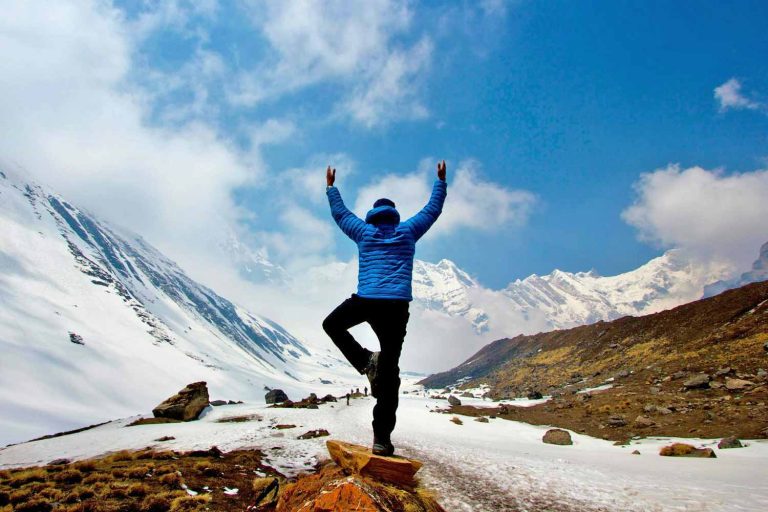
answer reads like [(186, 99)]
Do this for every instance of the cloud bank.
[(710, 214)]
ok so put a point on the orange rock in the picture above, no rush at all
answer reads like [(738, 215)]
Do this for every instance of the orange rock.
[(359, 460), (346, 496)]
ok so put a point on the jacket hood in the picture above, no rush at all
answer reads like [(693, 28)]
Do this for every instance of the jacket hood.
[(382, 215)]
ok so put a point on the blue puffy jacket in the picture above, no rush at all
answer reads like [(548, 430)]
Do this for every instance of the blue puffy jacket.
[(385, 244)]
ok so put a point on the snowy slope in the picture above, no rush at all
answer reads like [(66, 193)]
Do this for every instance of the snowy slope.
[(96, 323), (478, 467), (563, 299)]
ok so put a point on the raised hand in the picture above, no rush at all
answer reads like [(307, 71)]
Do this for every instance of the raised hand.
[(441, 170), (330, 176)]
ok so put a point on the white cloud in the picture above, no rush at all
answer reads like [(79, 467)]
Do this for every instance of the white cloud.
[(70, 116), (729, 96), (351, 44), (472, 202), (714, 215)]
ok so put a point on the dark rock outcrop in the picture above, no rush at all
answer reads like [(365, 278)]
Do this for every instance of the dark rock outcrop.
[(275, 396), (453, 400), (186, 405)]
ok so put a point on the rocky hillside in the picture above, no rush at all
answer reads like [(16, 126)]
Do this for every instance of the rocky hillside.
[(728, 329), (699, 368)]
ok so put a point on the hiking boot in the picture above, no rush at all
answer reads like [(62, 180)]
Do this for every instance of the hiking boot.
[(383, 448), (371, 371)]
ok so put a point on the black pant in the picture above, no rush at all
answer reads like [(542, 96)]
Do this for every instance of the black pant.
[(388, 319)]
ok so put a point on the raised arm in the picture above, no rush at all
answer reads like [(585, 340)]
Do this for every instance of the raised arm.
[(352, 225), (422, 221)]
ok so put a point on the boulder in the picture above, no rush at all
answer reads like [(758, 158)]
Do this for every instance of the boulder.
[(457, 420), (723, 371), (557, 436), (328, 398), (359, 460), (481, 419), (729, 442), (636, 452), (737, 384), (186, 405), (217, 403), (699, 381), (534, 395), (275, 396), (765, 346), (331, 490), (321, 432), (467, 394), (644, 422), (453, 400), (616, 421), (686, 450)]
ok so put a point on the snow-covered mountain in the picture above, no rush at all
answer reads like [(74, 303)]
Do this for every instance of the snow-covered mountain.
[(758, 273), (95, 323), (563, 299)]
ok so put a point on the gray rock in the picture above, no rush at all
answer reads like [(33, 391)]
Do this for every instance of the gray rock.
[(557, 436), (467, 394), (275, 396), (481, 419), (636, 452), (644, 422), (217, 403), (723, 371), (186, 405), (700, 381), (663, 410), (737, 384), (616, 421), (677, 375), (453, 400), (623, 374), (729, 442), (535, 395)]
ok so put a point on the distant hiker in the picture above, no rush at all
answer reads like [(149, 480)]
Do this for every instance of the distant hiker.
[(365, 390), (348, 395), (386, 249), (357, 390)]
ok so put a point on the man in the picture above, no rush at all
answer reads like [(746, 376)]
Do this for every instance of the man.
[(386, 248)]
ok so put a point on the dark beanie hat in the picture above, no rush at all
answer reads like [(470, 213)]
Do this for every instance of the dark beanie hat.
[(383, 202)]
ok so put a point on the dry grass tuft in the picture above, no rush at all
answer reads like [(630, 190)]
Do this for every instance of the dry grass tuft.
[(86, 466), (97, 477), (121, 456), (170, 480), (27, 476), (68, 476), (138, 490), (139, 472), (164, 469), (156, 503), (19, 496), (189, 503), (34, 505)]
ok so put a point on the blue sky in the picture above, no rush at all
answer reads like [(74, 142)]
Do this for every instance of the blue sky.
[(555, 108)]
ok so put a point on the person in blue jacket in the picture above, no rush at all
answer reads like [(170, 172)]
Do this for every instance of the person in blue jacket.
[(386, 249)]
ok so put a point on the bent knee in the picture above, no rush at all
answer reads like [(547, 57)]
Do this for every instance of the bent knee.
[(329, 326)]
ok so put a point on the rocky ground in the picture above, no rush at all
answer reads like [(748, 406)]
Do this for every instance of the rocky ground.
[(633, 409)]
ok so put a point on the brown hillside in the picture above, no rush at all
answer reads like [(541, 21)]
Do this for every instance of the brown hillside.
[(647, 360)]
